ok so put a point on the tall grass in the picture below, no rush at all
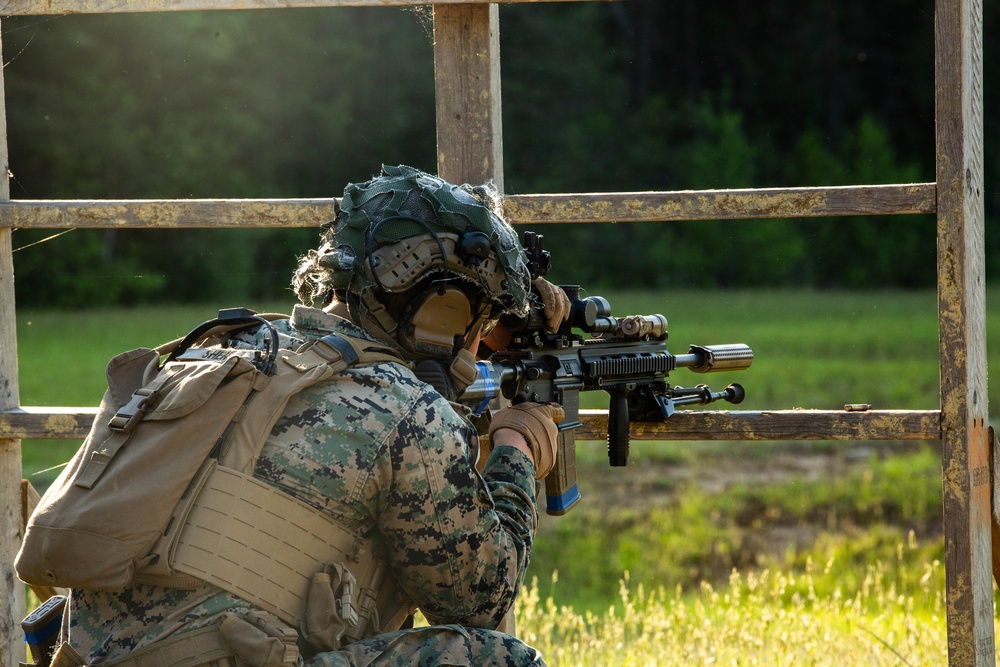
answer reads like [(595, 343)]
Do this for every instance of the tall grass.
[(761, 618)]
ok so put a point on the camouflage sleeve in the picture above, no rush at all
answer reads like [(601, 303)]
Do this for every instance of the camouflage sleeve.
[(458, 541)]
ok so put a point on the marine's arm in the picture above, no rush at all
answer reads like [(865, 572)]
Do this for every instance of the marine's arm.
[(458, 541), (506, 437)]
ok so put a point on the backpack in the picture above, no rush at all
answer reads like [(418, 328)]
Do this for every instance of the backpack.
[(163, 426)]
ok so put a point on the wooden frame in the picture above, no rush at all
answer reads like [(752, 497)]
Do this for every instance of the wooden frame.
[(467, 80)]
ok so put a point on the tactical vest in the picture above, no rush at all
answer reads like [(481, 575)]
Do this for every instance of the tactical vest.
[(162, 491)]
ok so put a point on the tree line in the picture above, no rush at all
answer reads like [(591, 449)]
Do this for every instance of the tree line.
[(623, 96)]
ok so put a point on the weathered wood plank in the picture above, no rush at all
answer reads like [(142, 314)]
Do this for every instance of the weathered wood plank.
[(74, 423), (776, 425), (12, 596), (467, 93), (46, 423), (723, 204), (29, 501), (11, 589), (994, 462), (520, 209), (32, 7), (167, 213), (962, 331)]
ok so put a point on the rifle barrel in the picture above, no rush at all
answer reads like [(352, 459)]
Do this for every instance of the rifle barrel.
[(716, 358)]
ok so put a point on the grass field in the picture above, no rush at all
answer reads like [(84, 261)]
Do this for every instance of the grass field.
[(696, 553)]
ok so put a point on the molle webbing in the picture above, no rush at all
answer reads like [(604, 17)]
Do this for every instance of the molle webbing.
[(260, 544), (256, 542)]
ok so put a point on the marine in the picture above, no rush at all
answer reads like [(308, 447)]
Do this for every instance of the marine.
[(422, 267)]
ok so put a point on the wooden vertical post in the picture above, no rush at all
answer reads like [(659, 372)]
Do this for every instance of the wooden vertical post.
[(467, 106), (467, 93), (962, 313), (12, 598)]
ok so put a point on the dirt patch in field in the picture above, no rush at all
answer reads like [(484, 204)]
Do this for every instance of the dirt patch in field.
[(649, 484), (653, 483)]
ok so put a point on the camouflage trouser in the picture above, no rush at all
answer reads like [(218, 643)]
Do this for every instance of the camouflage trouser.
[(444, 645)]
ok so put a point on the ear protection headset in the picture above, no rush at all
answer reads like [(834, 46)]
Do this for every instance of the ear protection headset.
[(436, 326), (439, 321)]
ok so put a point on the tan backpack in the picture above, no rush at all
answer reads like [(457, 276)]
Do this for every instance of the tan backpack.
[(163, 427)]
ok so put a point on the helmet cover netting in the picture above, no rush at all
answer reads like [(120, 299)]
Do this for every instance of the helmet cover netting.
[(426, 206)]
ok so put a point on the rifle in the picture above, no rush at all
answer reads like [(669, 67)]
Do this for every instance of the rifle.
[(626, 357)]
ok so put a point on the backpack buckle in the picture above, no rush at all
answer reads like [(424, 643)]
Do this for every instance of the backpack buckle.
[(132, 412)]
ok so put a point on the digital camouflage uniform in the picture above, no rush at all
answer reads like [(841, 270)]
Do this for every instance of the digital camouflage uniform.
[(384, 454)]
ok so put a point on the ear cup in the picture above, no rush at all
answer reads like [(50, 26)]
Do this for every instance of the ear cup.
[(436, 321)]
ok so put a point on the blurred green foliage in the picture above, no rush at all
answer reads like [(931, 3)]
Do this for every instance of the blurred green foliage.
[(629, 96)]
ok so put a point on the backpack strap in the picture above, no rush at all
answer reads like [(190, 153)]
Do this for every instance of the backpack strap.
[(315, 361), (352, 351)]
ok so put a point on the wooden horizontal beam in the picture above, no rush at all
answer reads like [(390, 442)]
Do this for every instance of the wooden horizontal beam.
[(46, 423), (74, 423), (724, 204), (776, 425), (520, 209), (167, 213), (38, 7)]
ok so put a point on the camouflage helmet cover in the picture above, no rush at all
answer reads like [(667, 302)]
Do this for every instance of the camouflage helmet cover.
[(392, 230)]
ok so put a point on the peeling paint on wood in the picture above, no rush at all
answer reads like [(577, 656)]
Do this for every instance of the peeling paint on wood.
[(962, 329), (955, 480), (467, 93), (46, 423), (960, 623), (776, 425)]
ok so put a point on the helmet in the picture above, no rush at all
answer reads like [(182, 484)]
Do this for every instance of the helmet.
[(416, 258)]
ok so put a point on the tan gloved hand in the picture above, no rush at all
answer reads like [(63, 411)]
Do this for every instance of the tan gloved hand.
[(557, 304), (537, 423)]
